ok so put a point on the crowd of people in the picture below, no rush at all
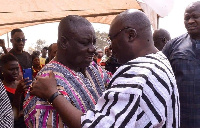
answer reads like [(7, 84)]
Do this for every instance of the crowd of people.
[(143, 79)]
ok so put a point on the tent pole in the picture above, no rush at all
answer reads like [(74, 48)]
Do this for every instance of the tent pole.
[(8, 39)]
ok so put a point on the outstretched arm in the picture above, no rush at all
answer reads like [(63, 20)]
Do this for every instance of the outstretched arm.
[(45, 88)]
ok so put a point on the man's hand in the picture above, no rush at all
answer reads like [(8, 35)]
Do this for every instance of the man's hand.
[(21, 86), (44, 87), (2, 43)]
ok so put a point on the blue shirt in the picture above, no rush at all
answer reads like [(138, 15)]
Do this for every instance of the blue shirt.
[(184, 56)]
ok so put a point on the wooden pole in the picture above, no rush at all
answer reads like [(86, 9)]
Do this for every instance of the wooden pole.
[(8, 39)]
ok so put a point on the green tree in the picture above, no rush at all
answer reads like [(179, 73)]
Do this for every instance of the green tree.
[(102, 40)]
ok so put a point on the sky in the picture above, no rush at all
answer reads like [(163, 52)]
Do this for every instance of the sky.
[(47, 32), (173, 23)]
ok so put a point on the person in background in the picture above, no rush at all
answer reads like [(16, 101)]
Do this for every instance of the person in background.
[(18, 41), (99, 56), (15, 91), (108, 53), (2, 44), (44, 55), (36, 66), (37, 53), (52, 50), (142, 92), (112, 64), (78, 80), (183, 53), (160, 38)]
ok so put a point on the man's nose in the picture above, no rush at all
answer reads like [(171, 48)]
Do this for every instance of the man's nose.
[(191, 20)]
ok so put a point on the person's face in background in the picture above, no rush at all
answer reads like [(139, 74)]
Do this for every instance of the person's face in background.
[(10, 70), (44, 52), (18, 41), (53, 51), (36, 61), (192, 20), (99, 54), (108, 52)]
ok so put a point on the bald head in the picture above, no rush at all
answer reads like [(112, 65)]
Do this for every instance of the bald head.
[(195, 4), (160, 38), (131, 30), (133, 18), (162, 33), (70, 25)]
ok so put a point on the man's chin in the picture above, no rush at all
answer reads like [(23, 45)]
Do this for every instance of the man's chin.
[(20, 49)]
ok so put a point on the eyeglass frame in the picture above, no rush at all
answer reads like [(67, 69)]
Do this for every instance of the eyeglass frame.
[(18, 40), (114, 36)]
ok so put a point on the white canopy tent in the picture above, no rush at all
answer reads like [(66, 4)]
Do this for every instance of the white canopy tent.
[(23, 13)]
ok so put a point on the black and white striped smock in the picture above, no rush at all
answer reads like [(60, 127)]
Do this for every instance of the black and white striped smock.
[(143, 94), (6, 114)]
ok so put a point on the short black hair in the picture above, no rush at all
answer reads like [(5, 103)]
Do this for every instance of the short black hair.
[(36, 53), (34, 56), (46, 48), (15, 30), (7, 58)]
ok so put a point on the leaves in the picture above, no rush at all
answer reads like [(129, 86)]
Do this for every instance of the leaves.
[(101, 41), (38, 46)]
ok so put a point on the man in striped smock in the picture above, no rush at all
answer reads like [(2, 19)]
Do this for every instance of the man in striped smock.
[(143, 91), (6, 113), (78, 81)]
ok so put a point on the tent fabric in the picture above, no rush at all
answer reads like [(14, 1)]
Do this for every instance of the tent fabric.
[(151, 14), (161, 7), (23, 13)]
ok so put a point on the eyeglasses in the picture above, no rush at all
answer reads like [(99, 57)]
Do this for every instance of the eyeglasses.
[(18, 40), (110, 38)]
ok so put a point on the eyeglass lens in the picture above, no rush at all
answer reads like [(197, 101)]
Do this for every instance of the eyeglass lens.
[(20, 39)]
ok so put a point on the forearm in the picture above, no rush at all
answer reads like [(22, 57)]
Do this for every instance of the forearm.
[(4, 49), (16, 104), (69, 114)]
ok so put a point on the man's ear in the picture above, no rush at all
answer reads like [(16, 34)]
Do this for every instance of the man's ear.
[(11, 40), (64, 43), (132, 34)]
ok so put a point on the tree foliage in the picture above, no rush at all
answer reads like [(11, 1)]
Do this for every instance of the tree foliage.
[(38, 46), (101, 41)]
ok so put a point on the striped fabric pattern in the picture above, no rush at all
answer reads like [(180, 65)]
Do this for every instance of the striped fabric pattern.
[(6, 114), (142, 94), (82, 92)]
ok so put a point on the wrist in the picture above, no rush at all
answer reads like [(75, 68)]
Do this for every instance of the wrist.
[(53, 97)]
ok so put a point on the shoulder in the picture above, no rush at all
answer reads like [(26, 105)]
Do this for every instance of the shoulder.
[(172, 44), (178, 39), (26, 53)]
